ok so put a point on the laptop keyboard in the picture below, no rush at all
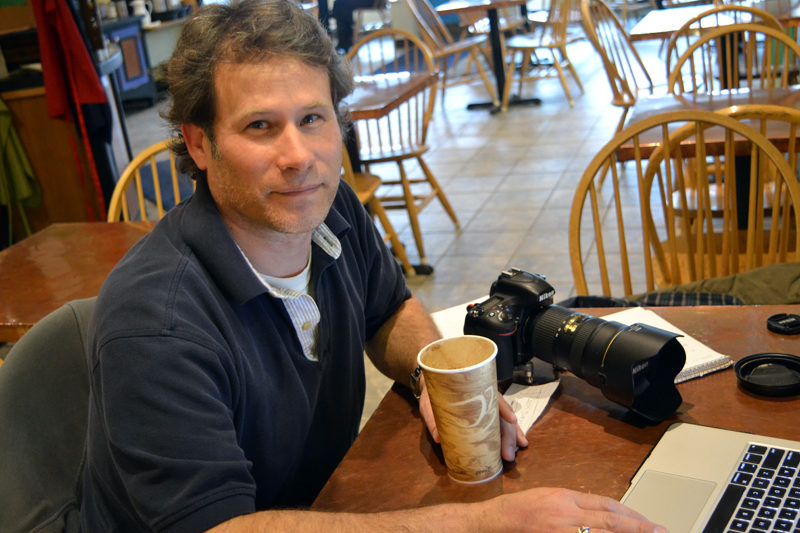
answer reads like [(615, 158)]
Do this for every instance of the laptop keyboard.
[(763, 495)]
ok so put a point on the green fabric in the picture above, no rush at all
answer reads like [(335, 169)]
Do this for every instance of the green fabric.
[(17, 181), (772, 284)]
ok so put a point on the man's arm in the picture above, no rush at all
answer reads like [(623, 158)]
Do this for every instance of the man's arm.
[(394, 348), (394, 351), (540, 510)]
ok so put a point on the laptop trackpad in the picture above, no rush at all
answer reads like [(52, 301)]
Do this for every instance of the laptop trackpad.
[(669, 500)]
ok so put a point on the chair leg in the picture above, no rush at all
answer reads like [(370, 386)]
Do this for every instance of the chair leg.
[(413, 212), (486, 82), (439, 192), (443, 78), (399, 250), (562, 78), (509, 80), (564, 55)]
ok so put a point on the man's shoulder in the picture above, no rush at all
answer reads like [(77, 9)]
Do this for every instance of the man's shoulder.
[(157, 277)]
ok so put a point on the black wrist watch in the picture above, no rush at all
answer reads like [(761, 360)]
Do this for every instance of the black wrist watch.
[(416, 386)]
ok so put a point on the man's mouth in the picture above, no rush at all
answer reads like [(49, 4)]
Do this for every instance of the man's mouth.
[(300, 191)]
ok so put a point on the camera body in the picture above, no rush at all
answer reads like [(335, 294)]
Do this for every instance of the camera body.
[(633, 365), (513, 298)]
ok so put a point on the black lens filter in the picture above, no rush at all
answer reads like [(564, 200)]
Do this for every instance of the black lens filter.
[(769, 374)]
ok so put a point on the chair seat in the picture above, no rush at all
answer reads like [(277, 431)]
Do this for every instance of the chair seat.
[(459, 46), (394, 154), (531, 41), (481, 26), (365, 186)]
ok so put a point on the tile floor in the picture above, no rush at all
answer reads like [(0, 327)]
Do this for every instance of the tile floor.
[(510, 178)]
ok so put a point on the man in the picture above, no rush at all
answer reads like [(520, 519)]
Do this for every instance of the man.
[(227, 347), (343, 14)]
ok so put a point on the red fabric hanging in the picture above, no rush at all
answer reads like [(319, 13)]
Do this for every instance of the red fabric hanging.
[(69, 76), (64, 57)]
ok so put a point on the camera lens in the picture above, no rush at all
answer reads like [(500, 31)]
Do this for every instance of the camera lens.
[(633, 365)]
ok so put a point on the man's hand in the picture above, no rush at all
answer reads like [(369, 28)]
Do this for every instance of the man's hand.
[(511, 436), (553, 509)]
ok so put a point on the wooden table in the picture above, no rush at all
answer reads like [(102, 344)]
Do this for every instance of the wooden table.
[(454, 7), (786, 11), (646, 107), (582, 441), (376, 95), (662, 23), (62, 262)]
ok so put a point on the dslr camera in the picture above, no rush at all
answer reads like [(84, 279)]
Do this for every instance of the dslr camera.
[(634, 366)]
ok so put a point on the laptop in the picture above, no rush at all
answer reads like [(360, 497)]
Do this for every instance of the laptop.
[(703, 479)]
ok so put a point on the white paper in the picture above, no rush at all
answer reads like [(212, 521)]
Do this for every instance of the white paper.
[(529, 402), (450, 321)]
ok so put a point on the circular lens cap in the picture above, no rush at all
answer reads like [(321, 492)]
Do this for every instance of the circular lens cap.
[(784, 323), (770, 374)]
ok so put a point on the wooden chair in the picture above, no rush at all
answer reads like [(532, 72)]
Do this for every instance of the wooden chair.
[(365, 186), (629, 231), (736, 56), (454, 58), (149, 186), (624, 68), (550, 37), (400, 134), (778, 123), (714, 17)]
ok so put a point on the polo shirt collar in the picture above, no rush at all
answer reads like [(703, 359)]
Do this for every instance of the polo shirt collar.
[(201, 224)]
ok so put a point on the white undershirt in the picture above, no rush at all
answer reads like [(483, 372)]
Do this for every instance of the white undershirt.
[(296, 292)]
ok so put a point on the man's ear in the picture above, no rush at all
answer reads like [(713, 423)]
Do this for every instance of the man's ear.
[(195, 139)]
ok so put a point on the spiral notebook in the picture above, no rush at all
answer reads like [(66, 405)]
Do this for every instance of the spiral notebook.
[(700, 359)]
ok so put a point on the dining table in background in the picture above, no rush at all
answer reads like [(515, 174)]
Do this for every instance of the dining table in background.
[(374, 96), (662, 23), (583, 441), (63, 262), (648, 106), (454, 7)]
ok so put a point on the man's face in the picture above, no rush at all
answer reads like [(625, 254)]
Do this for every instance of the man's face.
[(278, 146)]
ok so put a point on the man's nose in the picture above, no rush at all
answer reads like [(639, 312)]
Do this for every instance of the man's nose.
[(293, 149)]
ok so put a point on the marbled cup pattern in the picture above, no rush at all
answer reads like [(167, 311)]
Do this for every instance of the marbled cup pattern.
[(461, 378)]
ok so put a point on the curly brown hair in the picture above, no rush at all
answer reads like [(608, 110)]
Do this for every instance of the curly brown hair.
[(250, 31)]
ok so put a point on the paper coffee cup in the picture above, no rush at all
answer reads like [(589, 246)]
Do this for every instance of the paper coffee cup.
[(461, 379)]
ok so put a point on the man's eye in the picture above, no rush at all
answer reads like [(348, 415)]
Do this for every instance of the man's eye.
[(310, 119), (257, 125)]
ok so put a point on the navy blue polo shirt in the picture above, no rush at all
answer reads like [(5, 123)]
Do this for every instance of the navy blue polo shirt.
[(203, 406)]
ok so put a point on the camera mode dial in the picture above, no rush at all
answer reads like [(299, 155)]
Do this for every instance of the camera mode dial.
[(498, 317)]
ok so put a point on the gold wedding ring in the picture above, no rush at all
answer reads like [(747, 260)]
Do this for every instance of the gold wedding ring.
[(584, 529)]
